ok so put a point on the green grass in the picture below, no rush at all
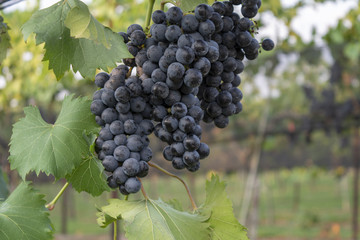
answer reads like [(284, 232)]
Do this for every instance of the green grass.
[(320, 209)]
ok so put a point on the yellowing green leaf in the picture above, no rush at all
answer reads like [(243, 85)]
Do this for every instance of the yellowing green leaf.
[(83, 25), (52, 148), (89, 176), (223, 223), (154, 220), (23, 216)]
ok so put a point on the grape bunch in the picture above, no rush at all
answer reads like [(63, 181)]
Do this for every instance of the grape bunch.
[(187, 71), (123, 113)]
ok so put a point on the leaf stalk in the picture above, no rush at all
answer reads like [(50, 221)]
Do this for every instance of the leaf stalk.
[(154, 165), (51, 205), (148, 15), (115, 230), (143, 190)]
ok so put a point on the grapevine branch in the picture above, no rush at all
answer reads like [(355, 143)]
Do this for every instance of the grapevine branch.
[(162, 6), (154, 165), (148, 14), (143, 190), (51, 205)]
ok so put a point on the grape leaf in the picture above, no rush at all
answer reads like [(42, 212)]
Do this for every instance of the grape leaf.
[(62, 50), (52, 148), (24, 216), (3, 187), (4, 40), (189, 5), (154, 220), (223, 223), (83, 25), (89, 176)]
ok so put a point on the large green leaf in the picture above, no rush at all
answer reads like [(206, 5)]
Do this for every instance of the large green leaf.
[(89, 176), (154, 220), (223, 223), (52, 148), (4, 40), (3, 187), (101, 48), (23, 216)]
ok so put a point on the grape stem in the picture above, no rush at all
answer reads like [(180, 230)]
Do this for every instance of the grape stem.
[(51, 205), (143, 190), (129, 73), (115, 230), (154, 165), (162, 5), (148, 15)]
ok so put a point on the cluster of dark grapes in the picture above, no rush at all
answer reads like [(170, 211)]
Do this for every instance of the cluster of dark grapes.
[(123, 113), (187, 72)]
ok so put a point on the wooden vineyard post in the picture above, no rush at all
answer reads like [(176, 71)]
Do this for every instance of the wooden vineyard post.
[(356, 163)]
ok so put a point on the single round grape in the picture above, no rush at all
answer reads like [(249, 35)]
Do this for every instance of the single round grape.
[(185, 55), (109, 115), (193, 78), (203, 12), (178, 163), (267, 44), (158, 16), (167, 154), (177, 149), (137, 104), (132, 28), (221, 121), (170, 123), (135, 143), (119, 176), (146, 154), (179, 110), (97, 107), (111, 182), (203, 150), (174, 15), (121, 153), (108, 147), (191, 142), (107, 97), (187, 124), (189, 23), (109, 163), (116, 127), (160, 89), (132, 185), (154, 53), (191, 158), (173, 32), (101, 78), (219, 7), (124, 36), (131, 167), (144, 169), (157, 31)]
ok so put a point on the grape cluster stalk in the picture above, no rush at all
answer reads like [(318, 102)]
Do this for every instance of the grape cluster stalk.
[(188, 70)]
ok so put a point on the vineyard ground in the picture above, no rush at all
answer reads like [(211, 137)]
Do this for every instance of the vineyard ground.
[(299, 204)]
